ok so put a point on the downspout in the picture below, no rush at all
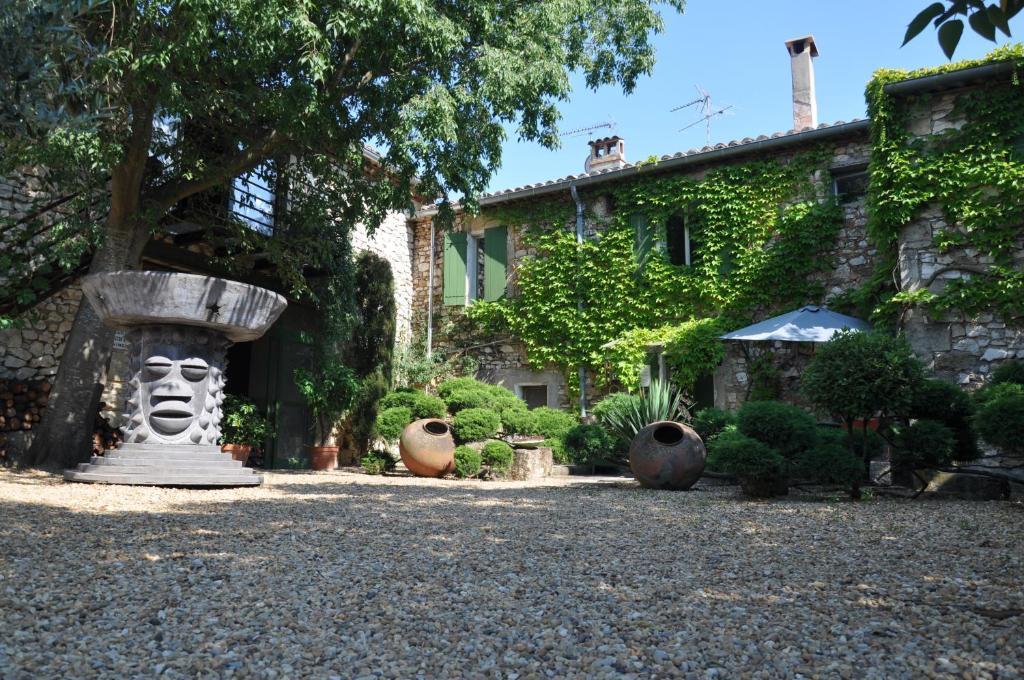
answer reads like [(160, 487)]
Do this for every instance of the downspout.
[(430, 295), (582, 373)]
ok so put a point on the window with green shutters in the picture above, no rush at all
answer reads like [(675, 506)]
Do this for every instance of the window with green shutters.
[(454, 269), (645, 237), (495, 262)]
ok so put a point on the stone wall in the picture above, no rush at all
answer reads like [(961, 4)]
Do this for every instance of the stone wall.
[(34, 351), (393, 240)]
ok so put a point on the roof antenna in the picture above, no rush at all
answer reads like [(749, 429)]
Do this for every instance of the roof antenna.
[(705, 110), (585, 131)]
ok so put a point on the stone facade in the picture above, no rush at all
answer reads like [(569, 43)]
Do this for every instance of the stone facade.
[(33, 352), (393, 240)]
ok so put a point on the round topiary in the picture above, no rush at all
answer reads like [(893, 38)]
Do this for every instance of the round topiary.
[(460, 400), (391, 421), (402, 397), (761, 469), (552, 423), (376, 463), (1000, 419), (498, 455), (831, 462), (421, 404), (445, 389), (924, 443), (467, 461), (474, 424), (783, 427), (514, 421), (951, 406), (1008, 372), (586, 444), (708, 423)]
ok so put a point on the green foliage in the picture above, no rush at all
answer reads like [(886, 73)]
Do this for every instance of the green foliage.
[(373, 336), (413, 368), (552, 423), (946, 403), (830, 462), (446, 388), (1008, 372), (460, 400), (377, 463), (862, 375), (762, 228), (518, 422), (391, 422), (785, 428), (735, 453), (765, 378), (587, 444), (497, 455), (660, 401), (613, 408), (558, 453), (973, 173), (329, 390), (983, 20), (364, 410), (924, 443), (708, 423), (243, 423), (1000, 418), (474, 424), (421, 405), (467, 462)]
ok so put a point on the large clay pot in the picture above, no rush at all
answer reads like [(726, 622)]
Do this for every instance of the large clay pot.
[(667, 455), (427, 448), (323, 457), (239, 452)]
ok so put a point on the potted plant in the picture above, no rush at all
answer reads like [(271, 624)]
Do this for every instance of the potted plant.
[(242, 428), (329, 389)]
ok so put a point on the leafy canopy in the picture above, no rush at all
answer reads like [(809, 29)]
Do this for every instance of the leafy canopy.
[(984, 19)]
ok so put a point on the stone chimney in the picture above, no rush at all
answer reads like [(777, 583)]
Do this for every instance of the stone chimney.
[(608, 153), (805, 104)]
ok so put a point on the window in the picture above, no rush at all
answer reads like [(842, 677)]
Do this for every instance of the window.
[(644, 235), (535, 396), (475, 266), (253, 199), (850, 184), (681, 242)]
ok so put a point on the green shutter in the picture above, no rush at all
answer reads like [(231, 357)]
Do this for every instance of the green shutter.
[(644, 237), (495, 262), (455, 269)]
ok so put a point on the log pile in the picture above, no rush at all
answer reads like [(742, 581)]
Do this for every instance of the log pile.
[(22, 405)]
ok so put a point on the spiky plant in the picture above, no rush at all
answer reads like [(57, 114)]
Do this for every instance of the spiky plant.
[(660, 401)]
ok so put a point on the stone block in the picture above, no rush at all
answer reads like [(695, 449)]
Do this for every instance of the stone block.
[(530, 464), (993, 354)]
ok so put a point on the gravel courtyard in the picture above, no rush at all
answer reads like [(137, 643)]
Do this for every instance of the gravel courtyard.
[(347, 575)]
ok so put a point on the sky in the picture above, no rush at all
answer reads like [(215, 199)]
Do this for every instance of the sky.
[(736, 52)]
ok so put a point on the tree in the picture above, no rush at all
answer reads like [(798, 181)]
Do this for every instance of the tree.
[(147, 106), (373, 336), (983, 20)]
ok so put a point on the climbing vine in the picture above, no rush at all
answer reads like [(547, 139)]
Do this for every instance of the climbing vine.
[(762, 229), (973, 172)]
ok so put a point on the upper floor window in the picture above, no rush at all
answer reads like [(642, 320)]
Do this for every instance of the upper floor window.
[(681, 240), (254, 197), (475, 266), (850, 184)]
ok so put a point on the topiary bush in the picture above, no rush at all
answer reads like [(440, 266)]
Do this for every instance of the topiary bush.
[(474, 424), (390, 423), (586, 444), (762, 471), (498, 455), (467, 461), (948, 404), (516, 422), (1008, 372), (445, 389), (421, 404), (552, 423), (460, 400), (558, 453), (376, 463), (708, 423), (1000, 418), (785, 428), (924, 443), (830, 462)]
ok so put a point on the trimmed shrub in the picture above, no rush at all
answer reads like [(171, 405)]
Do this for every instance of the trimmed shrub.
[(783, 427), (558, 453), (498, 455), (460, 400), (421, 404), (708, 423), (467, 461), (948, 404), (376, 463), (585, 444), (514, 421), (474, 424), (1000, 419), (1008, 372), (829, 463), (390, 423), (761, 469), (445, 389), (924, 443), (552, 423)]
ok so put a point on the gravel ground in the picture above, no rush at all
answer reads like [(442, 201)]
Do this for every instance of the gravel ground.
[(341, 574)]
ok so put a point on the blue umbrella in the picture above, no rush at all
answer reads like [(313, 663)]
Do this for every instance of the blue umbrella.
[(807, 324)]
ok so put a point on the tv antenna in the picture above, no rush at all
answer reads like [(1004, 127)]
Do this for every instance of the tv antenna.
[(581, 131), (705, 109)]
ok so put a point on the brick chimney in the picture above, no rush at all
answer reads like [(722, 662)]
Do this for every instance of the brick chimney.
[(608, 153), (805, 105)]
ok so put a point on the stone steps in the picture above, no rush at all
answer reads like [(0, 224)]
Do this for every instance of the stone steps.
[(158, 465)]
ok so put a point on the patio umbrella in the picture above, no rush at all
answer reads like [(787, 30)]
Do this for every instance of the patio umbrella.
[(807, 324)]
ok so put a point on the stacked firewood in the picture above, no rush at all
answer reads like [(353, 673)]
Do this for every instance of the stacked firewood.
[(22, 405)]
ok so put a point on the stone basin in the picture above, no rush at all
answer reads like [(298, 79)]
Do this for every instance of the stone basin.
[(238, 311)]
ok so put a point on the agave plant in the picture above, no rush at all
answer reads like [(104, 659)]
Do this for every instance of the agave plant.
[(660, 401)]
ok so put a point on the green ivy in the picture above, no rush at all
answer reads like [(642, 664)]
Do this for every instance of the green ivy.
[(763, 229), (975, 174)]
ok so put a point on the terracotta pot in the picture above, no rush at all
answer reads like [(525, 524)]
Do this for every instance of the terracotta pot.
[(427, 448), (323, 457), (239, 452), (667, 455)]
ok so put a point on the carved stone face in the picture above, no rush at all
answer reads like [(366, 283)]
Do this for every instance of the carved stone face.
[(178, 382)]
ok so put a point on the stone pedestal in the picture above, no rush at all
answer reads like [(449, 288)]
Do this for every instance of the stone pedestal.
[(181, 326), (530, 464)]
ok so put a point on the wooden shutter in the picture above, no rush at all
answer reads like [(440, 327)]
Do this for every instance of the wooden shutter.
[(644, 237), (495, 262), (455, 269)]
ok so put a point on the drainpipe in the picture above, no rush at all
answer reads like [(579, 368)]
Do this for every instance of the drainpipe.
[(579, 301), (430, 295)]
